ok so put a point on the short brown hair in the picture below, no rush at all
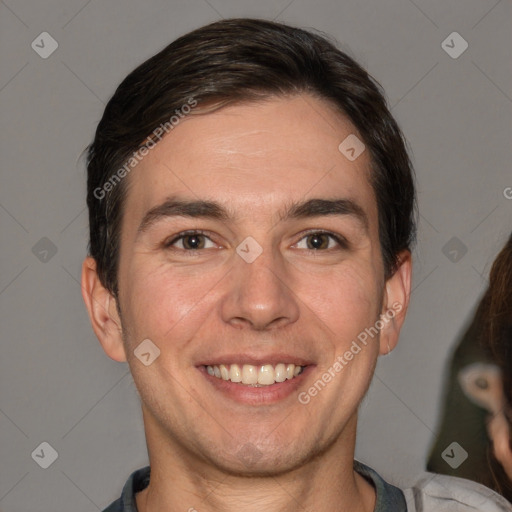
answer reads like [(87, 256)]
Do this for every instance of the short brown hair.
[(243, 60)]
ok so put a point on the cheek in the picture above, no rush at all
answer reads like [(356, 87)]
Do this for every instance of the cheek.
[(171, 304), (161, 302), (346, 299)]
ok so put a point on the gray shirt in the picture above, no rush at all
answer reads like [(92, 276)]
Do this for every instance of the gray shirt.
[(431, 493)]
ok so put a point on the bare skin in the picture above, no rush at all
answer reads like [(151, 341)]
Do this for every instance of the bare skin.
[(306, 297), (499, 432)]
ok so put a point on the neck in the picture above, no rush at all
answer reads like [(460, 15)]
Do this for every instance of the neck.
[(181, 481)]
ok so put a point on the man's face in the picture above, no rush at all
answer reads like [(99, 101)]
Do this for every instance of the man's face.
[(204, 300)]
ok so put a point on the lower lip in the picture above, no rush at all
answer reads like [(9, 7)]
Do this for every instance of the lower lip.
[(247, 394)]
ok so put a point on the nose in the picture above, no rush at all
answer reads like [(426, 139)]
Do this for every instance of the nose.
[(259, 295)]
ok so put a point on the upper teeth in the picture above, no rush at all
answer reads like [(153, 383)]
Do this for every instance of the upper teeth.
[(263, 375)]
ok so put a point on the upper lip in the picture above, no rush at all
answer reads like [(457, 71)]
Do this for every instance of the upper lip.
[(256, 360)]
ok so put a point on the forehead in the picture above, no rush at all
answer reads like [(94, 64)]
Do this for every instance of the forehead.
[(254, 158)]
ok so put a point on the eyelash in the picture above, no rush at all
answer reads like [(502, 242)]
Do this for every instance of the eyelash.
[(340, 240)]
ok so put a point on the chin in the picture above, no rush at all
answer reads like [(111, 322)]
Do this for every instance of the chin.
[(251, 461)]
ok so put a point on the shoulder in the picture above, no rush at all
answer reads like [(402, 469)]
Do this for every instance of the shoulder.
[(116, 506), (137, 481), (441, 493)]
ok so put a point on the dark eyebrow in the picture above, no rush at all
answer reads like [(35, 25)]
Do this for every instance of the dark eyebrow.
[(172, 207), (322, 207), (181, 208)]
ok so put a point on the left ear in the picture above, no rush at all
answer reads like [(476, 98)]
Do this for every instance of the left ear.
[(395, 303)]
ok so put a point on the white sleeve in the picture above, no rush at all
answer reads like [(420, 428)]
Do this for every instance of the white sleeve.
[(440, 493)]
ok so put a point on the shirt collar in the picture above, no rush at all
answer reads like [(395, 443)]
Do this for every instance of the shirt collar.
[(388, 497)]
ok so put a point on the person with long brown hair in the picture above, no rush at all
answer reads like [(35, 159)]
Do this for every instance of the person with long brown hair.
[(478, 402), (497, 336)]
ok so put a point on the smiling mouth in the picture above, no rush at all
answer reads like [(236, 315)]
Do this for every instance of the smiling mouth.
[(255, 376)]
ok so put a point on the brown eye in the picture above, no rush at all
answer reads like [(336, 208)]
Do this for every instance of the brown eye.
[(193, 241), (318, 241), (321, 241)]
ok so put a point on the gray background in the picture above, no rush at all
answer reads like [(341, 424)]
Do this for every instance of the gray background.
[(56, 384)]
